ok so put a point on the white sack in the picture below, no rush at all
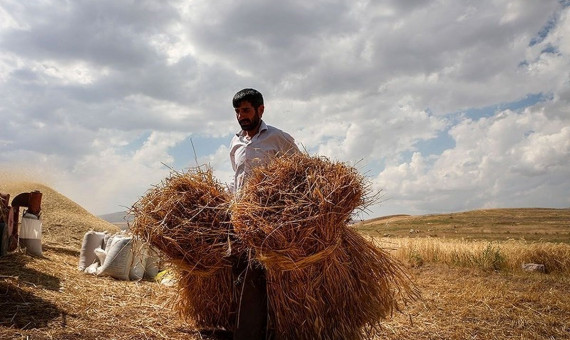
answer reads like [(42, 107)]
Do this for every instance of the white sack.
[(91, 241), (92, 269), (119, 258), (152, 262), (139, 260), (101, 255)]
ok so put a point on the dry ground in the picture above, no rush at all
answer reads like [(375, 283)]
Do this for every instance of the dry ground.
[(473, 304), (48, 298)]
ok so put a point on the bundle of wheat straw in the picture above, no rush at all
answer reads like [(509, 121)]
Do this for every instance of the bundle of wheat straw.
[(297, 205), (324, 279), (207, 301), (343, 296), (187, 218)]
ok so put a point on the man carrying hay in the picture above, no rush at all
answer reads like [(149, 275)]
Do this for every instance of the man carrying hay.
[(255, 145), (295, 263)]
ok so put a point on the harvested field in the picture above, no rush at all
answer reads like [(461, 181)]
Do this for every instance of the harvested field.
[(48, 298), (465, 303)]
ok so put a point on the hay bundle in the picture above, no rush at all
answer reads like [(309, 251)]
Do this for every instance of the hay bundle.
[(344, 296), (207, 301), (187, 218), (324, 280), (293, 211)]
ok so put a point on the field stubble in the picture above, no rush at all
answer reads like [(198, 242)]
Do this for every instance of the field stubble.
[(50, 299), (468, 267), (467, 303), (472, 288)]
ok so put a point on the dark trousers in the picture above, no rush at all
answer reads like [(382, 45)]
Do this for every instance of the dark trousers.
[(251, 297)]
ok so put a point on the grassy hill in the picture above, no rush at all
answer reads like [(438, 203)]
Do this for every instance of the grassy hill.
[(531, 224)]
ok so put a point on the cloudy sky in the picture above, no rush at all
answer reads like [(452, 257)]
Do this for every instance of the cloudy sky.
[(446, 105)]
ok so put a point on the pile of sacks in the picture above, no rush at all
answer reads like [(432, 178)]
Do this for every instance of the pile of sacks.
[(120, 256)]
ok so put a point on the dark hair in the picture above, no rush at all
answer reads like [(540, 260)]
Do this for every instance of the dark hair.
[(250, 95)]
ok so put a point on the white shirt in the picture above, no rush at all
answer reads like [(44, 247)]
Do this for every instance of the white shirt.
[(247, 153)]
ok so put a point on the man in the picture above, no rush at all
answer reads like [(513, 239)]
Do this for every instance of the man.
[(257, 142), (253, 146)]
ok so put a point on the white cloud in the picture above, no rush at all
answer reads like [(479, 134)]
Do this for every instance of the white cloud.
[(101, 93), (219, 161), (115, 180), (508, 160)]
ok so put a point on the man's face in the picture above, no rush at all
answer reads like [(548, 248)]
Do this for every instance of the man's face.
[(248, 117)]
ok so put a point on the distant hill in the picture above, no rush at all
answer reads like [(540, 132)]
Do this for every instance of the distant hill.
[(117, 217), (533, 224), (121, 219)]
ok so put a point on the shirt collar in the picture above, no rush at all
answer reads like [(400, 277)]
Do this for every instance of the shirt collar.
[(262, 127)]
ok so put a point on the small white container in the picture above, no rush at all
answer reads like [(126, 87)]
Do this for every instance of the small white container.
[(31, 234)]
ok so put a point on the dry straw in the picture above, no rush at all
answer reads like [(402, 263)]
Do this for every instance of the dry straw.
[(324, 279), (206, 301), (186, 216), (507, 255), (299, 205)]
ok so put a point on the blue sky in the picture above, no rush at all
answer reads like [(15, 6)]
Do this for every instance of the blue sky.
[(444, 105)]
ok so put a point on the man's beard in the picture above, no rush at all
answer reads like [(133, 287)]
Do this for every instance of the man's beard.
[(250, 124)]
